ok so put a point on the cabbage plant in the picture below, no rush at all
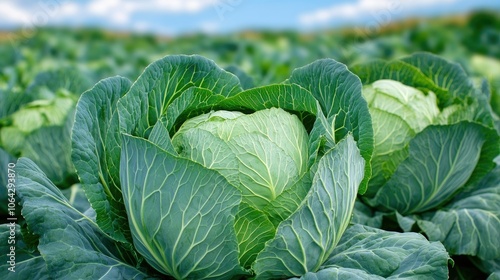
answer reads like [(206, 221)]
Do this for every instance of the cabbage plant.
[(434, 140), (189, 176)]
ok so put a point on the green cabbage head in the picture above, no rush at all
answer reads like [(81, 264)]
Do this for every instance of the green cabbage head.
[(243, 180), (434, 141), (423, 155), (263, 154), (210, 181), (433, 133)]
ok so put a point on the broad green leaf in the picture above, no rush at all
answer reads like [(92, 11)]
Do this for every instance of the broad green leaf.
[(389, 255), (253, 230), (67, 234), (490, 150), (26, 263), (191, 102), (292, 98), (441, 160), (445, 74), (96, 154), (338, 92), (162, 82), (306, 239), (469, 225), (406, 223), (191, 232)]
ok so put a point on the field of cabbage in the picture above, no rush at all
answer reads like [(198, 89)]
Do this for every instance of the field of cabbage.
[(255, 155)]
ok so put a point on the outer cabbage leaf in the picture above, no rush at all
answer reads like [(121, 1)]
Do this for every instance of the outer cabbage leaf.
[(191, 102), (28, 263), (96, 154), (368, 253), (289, 200), (162, 82), (470, 224), (305, 240), (338, 92), (441, 160), (190, 232), (291, 98), (67, 234)]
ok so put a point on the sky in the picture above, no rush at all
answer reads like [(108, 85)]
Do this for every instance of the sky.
[(175, 17)]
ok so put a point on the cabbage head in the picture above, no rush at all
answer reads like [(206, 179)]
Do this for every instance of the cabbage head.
[(434, 141)]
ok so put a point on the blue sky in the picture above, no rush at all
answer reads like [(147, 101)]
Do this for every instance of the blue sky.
[(173, 17)]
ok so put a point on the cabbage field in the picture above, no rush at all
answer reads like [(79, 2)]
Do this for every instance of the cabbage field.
[(253, 155)]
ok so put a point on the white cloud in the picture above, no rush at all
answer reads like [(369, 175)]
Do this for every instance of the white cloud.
[(363, 8), (120, 11), (117, 12), (11, 13)]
